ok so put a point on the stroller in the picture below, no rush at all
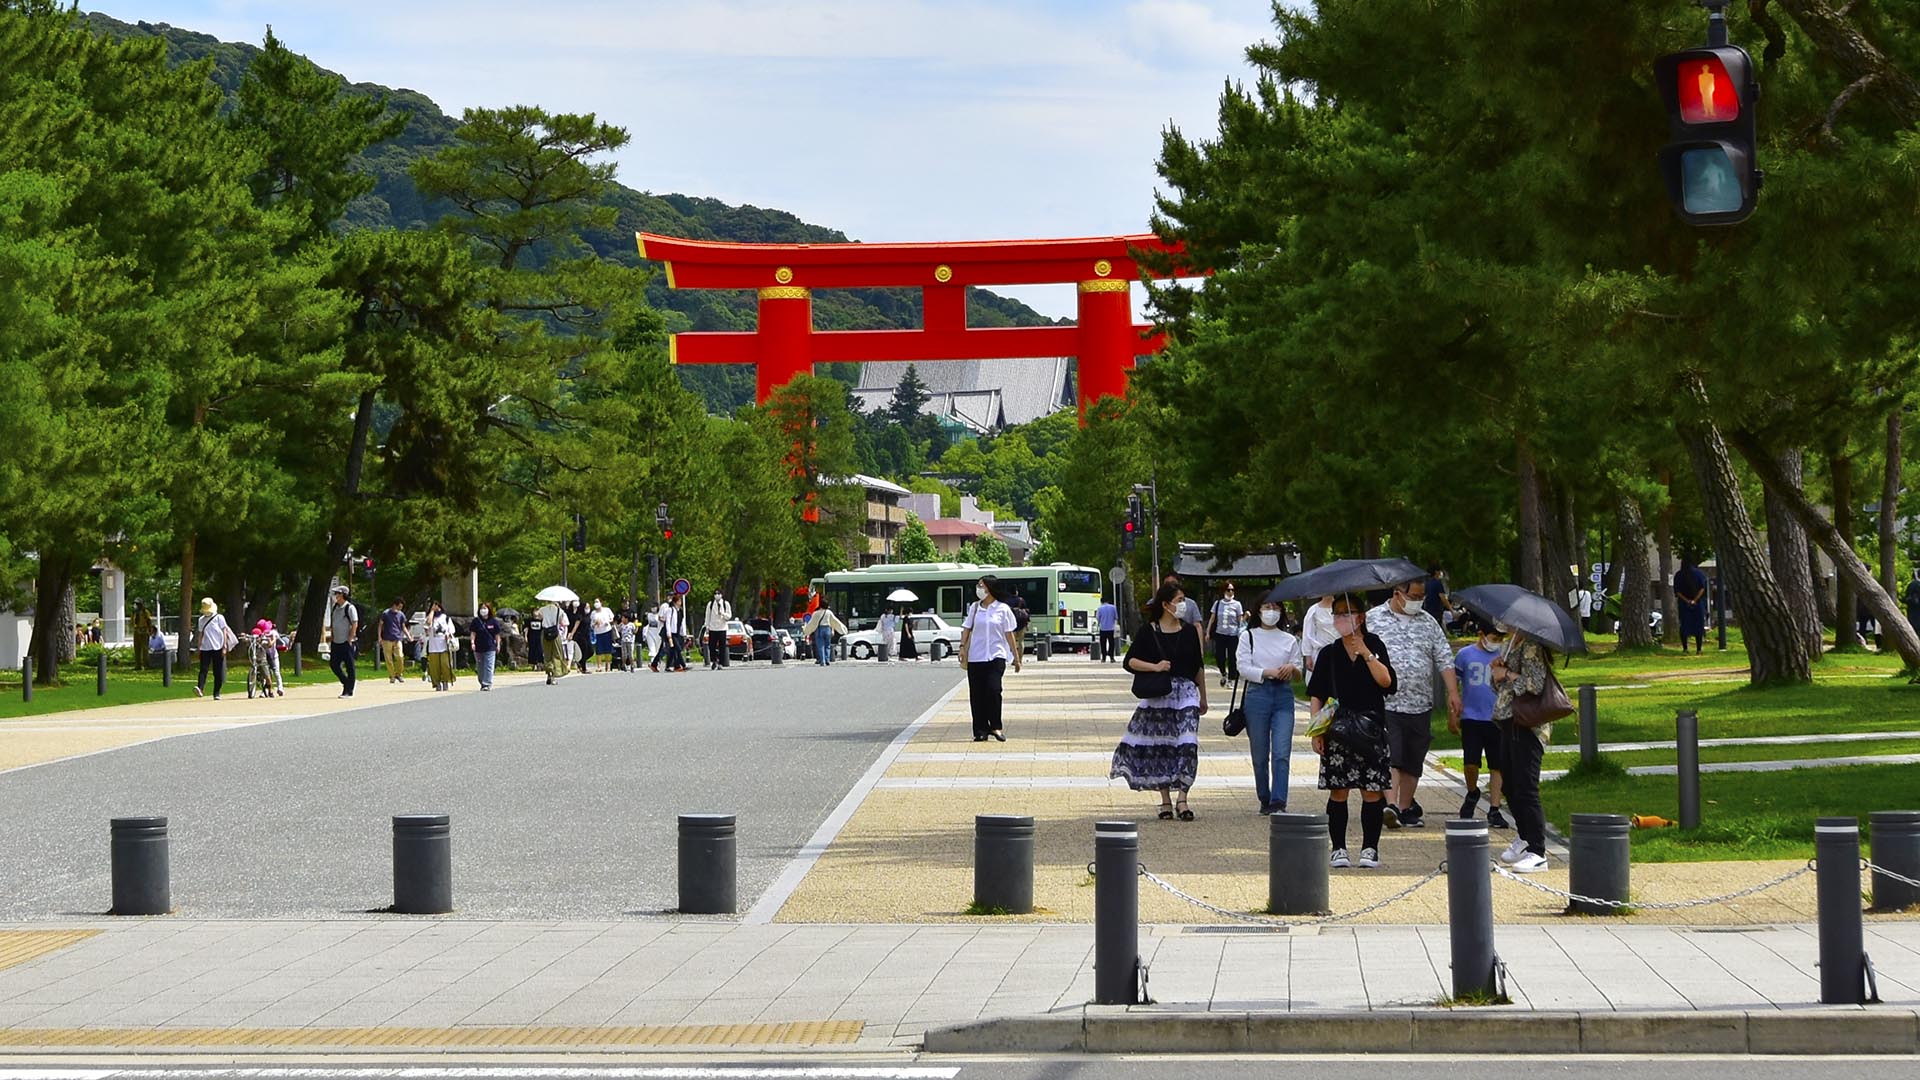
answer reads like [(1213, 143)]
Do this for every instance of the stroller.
[(264, 646)]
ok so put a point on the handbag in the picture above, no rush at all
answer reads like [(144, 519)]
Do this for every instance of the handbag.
[(1151, 684), (1356, 729), (1236, 719), (1531, 711)]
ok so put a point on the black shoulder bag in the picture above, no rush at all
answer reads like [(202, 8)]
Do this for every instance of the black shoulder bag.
[(1151, 684), (1236, 719)]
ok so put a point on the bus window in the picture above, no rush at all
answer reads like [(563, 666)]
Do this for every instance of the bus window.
[(1080, 581), (953, 602)]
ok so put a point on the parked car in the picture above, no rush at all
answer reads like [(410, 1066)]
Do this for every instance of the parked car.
[(935, 637)]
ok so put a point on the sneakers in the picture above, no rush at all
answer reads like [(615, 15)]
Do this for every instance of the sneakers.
[(1514, 851), (1413, 817), (1369, 859), (1529, 863), (1340, 860), (1496, 819), (197, 692), (1392, 817), (1472, 800)]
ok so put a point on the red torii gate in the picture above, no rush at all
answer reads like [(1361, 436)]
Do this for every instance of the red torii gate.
[(785, 344)]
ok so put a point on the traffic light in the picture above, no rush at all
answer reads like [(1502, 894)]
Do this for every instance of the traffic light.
[(666, 531), (367, 564), (1128, 531), (1709, 162)]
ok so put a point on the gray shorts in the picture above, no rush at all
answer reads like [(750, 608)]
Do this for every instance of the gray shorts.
[(1409, 737)]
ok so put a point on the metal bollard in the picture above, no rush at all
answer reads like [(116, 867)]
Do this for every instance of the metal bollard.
[(1599, 862), (296, 659), (422, 864), (141, 872), (26, 678), (885, 652), (707, 864), (1470, 908), (1043, 648), (100, 675), (1687, 744), (1116, 913), (166, 667), (1896, 846), (1003, 863), (1843, 942), (779, 654), (1589, 726), (1297, 865)]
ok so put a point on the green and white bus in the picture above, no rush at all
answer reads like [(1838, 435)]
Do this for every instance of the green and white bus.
[(1062, 598)]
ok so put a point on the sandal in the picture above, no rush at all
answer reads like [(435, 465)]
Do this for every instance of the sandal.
[(1181, 809), (1166, 811)]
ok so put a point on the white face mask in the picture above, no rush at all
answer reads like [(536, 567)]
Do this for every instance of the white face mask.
[(1270, 618), (1411, 607), (1490, 644), (980, 591)]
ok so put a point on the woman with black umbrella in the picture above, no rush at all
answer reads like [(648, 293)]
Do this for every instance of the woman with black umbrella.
[(1523, 669), (1355, 672)]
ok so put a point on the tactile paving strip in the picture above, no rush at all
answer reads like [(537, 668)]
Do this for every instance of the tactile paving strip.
[(20, 946), (798, 1033)]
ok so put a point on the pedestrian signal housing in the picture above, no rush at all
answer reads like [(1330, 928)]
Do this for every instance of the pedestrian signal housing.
[(1709, 162)]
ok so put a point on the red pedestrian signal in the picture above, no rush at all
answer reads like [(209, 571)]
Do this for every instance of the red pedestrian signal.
[(1709, 162), (666, 533)]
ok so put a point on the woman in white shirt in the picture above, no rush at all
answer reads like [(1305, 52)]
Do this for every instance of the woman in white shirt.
[(1316, 630), (440, 647), (1269, 659), (986, 644)]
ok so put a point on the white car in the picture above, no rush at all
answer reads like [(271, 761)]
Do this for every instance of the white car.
[(934, 636)]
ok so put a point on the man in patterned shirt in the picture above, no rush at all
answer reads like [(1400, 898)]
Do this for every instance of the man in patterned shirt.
[(1417, 647)]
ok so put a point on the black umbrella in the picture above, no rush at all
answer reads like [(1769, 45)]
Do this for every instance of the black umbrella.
[(1345, 576), (1528, 612)]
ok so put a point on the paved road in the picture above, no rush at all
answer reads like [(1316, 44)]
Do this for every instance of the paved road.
[(563, 799), (1042, 1068)]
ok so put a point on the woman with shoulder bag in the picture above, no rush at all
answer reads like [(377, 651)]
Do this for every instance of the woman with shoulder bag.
[(1161, 749), (989, 640), (440, 634), (1268, 658), (213, 637), (1352, 741), (1524, 668)]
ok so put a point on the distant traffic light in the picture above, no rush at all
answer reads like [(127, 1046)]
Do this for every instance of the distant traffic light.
[(367, 564), (1710, 162), (1128, 532), (666, 531)]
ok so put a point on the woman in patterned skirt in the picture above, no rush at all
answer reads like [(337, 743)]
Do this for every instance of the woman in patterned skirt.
[(1161, 749), (1353, 671)]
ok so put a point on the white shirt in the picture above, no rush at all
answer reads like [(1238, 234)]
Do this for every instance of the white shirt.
[(718, 612), (991, 622), (1227, 617), (213, 632), (439, 632), (1263, 648), (1316, 630), (551, 615), (602, 619)]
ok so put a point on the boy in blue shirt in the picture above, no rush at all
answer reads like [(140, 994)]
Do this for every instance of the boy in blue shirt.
[(1476, 729)]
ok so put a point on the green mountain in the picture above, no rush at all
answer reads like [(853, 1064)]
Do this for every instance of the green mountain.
[(395, 202)]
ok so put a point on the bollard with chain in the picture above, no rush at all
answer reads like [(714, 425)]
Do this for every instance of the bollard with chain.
[(1589, 726), (1687, 751), (1843, 943), (1116, 913), (1297, 866), (1896, 854), (1470, 908), (1599, 863)]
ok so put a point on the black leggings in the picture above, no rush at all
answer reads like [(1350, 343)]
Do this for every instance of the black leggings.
[(983, 693), (217, 660)]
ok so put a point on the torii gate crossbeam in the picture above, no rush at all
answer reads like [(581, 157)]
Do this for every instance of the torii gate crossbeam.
[(1106, 340)]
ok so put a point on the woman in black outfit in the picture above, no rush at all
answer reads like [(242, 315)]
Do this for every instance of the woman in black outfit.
[(1354, 671), (1161, 749)]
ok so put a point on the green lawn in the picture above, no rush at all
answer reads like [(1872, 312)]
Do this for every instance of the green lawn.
[(1709, 754), (126, 686), (1743, 815)]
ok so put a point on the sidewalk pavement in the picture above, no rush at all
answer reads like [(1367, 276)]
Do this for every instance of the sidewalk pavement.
[(390, 983), (905, 854), (37, 740)]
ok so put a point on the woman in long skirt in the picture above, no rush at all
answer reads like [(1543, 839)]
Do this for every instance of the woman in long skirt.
[(1161, 749)]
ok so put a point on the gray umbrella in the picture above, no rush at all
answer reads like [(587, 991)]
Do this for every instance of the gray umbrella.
[(1528, 612), (1345, 576)]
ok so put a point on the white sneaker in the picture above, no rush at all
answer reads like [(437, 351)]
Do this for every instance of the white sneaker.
[(1527, 863), (1340, 861), (1369, 859), (1514, 851)]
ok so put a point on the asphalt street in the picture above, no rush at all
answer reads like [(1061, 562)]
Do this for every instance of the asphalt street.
[(563, 799), (1141, 1067)]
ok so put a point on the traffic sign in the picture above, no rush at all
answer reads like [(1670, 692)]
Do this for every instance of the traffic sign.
[(682, 587), (1117, 575)]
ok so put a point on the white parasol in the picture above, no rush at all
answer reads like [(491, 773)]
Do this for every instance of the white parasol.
[(557, 593)]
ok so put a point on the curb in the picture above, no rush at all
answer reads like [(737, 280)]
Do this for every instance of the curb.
[(1118, 1029)]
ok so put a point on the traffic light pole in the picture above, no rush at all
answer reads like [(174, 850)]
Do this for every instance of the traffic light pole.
[(1152, 488), (1716, 21)]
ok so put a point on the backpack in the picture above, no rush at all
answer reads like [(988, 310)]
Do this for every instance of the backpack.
[(1021, 619)]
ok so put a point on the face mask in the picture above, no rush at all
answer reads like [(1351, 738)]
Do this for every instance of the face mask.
[(1270, 618), (1490, 644), (1411, 606), (1344, 624), (484, 612), (980, 591)]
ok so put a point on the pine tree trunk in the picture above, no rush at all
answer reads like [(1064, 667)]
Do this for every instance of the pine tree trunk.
[(1822, 594), (1890, 505), (1848, 565), (1777, 650), (1669, 604), (1528, 490), (1636, 577), (188, 608), (52, 634), (1846, 606), (1554, 550), (1787, 550)]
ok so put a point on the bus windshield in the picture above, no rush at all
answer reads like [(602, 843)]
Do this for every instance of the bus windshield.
[(1080, 581)]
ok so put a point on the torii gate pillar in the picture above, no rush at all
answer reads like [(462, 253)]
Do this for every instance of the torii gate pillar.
[(786, 325), (1108, 340)]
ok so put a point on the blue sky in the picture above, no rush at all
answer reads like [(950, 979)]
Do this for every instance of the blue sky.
[(887, 119)]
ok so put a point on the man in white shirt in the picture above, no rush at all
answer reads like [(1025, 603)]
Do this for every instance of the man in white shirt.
[(1417, 647), (718, 612), (553, 640)]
